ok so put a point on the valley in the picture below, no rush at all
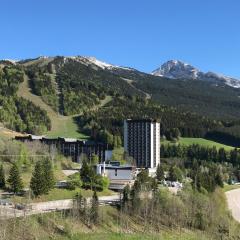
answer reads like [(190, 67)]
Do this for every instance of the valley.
[(119, 120), (86, 99), (71, 90)]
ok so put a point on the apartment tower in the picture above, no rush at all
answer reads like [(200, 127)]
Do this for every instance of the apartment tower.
[(142, 142)]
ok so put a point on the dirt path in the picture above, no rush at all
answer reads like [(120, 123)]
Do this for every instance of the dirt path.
[(233, 200)]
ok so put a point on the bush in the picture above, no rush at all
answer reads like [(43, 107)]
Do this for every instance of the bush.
[(74, 182)]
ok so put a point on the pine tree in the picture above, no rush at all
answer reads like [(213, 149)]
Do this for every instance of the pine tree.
[(125, 198), (160, 173), (84, 172), (175, 174), (2, 178), (48, 176), (15, 180), (37, 183), (94, 209)]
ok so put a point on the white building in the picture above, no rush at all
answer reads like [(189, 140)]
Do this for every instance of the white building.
[(142, 142), (119, 175)]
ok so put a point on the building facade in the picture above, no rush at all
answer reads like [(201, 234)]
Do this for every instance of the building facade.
[(70, 147), (142, 142), (119, 175)]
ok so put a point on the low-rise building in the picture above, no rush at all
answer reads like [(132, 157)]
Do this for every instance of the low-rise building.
[(70, 147), (119, 175)]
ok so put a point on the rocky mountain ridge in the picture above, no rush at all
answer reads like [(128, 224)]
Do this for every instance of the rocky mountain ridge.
[(179, 70)]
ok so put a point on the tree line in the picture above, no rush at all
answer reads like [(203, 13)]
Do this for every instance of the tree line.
[(199, 152), (42, 180)]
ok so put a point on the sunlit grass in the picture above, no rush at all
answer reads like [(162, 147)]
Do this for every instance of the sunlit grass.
[(200, 141)]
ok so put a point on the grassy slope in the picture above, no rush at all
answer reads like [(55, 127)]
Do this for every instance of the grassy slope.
[(8, 134), (62, 227), (200, 141), (63, 126)]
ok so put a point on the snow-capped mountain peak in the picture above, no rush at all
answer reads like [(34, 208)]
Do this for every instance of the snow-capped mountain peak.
[(12, 61), (179, 70), (97, 62), (176, 69), (94, 61)]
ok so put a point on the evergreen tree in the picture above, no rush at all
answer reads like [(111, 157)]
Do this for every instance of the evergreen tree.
[(175, 174), (48, 174), (234, 156), (15, 180), (94, 159), (94, 209), (43, 178), (160, 173), (222, 155), (37, 183), (84, 172), (126, 193), (2, 178), (218, 180)]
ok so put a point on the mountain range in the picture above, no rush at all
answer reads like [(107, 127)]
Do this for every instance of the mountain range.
[(60, 82), (180, 70), (66, 87), (173, 69)]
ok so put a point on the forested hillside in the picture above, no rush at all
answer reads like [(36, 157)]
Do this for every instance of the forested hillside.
[(82, 85), (17, 113), (204, 98), (101, 96)]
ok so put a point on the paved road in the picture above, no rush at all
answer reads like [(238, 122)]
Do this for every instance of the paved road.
[(233, 199), (50, 206)]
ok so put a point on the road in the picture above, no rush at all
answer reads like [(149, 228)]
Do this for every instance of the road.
[(50, 206), (233, 200)]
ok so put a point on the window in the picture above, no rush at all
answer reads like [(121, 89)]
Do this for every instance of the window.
[(115, 172)]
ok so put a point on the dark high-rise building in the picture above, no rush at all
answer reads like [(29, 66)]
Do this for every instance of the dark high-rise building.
[(142, 142)]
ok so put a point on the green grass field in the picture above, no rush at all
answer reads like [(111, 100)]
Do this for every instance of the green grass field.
[(65, 127), (200, 141)]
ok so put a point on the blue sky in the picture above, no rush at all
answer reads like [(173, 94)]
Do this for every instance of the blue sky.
[(138, 33)]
